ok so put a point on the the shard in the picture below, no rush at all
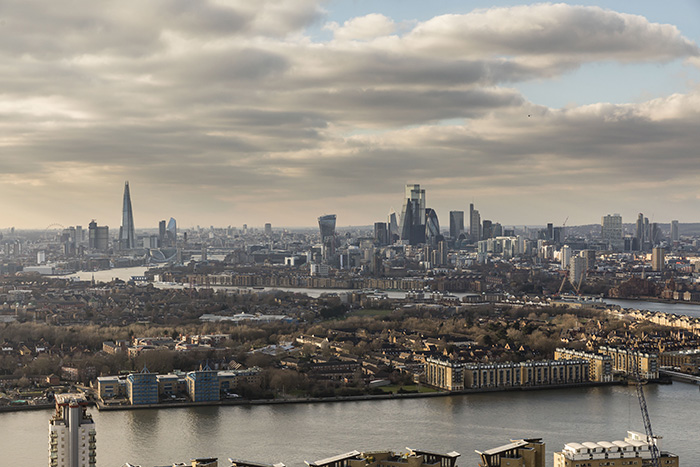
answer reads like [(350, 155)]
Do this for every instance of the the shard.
[(127, 237)]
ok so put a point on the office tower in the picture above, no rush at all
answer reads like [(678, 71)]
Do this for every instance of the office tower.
[(161, 233), (558, 235), (381, 234), (550, 231), (98, 237), (432, 226), (268, 229), (171, 232), (639, 231), (565, 256), (456, 224), (327, 226), (392, 227), (127, 236), (412, 227), (675, 235), (658, 256), (474, 224), (497, 230), (486, 229), (611, 230), (72, 433)]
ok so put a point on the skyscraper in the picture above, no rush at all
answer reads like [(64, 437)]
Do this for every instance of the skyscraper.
[(72, 433), (392, 227), (381, 235), (456, 224), (675, 234), (127, 236), (611, 230), (412, 226), (171, 232), (474, 224), (327, 226), (432, 227)]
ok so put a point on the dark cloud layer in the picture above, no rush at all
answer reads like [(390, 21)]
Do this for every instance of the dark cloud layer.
[(225, 112)]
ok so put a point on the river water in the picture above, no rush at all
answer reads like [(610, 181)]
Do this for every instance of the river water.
[(307, 432)]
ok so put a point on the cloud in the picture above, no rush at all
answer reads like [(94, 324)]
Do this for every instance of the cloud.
[(228, 107), (363, 28)]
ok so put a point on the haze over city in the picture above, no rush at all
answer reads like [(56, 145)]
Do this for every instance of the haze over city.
[(232, 112)]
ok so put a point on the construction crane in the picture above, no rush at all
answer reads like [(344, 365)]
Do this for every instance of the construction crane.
[(645, 416)]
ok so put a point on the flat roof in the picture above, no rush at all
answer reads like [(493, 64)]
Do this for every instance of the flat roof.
[(240, 462), (431, 453), (330, 460), (505, 447)]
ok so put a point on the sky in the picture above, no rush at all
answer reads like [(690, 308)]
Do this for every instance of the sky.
[(232, 112)]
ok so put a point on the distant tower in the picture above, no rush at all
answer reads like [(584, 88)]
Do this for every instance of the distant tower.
[(127, 236), (327, 226), (658, 256), (268, 229), (412, 227), (72, 433), (432, 227), (171, 232), (675, 236), (456, 224)]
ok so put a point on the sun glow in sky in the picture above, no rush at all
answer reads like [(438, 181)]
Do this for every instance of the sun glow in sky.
[(225, 112)]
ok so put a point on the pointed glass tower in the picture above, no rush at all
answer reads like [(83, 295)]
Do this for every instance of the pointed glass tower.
[(127, 237)]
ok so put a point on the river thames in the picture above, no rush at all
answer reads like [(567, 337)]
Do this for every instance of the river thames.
[(307, 432)]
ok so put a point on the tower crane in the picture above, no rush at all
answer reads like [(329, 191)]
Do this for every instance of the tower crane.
[(645, 416)]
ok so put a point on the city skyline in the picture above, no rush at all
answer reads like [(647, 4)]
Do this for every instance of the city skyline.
[(232, 113)]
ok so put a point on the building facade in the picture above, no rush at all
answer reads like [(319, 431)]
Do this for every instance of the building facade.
[(142, 388), (624, 361), (633, 451), (599, 365), (72, 436)]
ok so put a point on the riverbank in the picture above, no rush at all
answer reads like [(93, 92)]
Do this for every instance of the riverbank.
[(366, 397)]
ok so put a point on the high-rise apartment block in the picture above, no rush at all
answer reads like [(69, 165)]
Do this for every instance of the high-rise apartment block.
[(658, 257), (611, 231), (127, 235), (72, 440)]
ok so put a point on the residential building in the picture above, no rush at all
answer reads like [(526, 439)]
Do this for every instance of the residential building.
[(611, 231), (599, 365), (72, 437), (142, 388), (203, 385), (624, 361), (518, 453), (658, 257), (633, 451)]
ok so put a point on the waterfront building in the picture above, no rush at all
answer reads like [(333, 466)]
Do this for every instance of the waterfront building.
[(444, 374), (687, 361), (457, 376), (518, 453), (624, 361), (599, 365), (611, 231), (72, 434), (109, 387), (635, 450), (127, 236), (414, 458), (142, 388), (203, 385)]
